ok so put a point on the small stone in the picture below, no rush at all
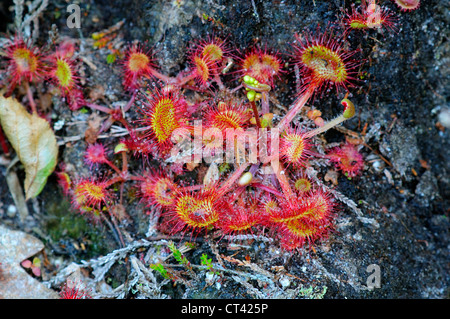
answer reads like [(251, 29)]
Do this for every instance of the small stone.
[(427, 189), (285, 282), (401, 148), (444, 117), (11, 211)]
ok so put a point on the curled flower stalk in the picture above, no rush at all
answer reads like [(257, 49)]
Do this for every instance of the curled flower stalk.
[(349, 112), (261, 65)]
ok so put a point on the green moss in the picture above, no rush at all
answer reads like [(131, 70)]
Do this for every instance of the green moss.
[(62, 223)]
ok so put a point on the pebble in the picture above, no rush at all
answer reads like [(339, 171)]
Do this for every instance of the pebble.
[(444, 117), (285, 282), (11, 211)]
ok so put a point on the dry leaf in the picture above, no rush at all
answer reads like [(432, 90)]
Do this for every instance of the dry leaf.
[(91, 133), (190, 166), (97, 93), (46, 102), (15, 283), (34, 142), (17, 194), (424, 164)]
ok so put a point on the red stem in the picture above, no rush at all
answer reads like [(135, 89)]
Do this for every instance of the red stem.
[(131, 101), (230, 181), (99, 108), (266, 188), (163, 77), (296, 107), (115, 168), (124, 163), (30, 98), (280, 173), (256, 113), (3, 142)]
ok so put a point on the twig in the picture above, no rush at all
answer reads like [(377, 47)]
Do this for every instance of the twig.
[(255, 12), (18, 11), (34, 13)]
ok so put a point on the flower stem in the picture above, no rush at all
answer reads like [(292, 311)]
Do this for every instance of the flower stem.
[(349, 112), (162, 77), (280, 173), (265, 103), (230, 181), (325, 127), (301, 101), (115, 230), (256, 113), (99, 108), (130, 102), (124, 163), (30, 98)]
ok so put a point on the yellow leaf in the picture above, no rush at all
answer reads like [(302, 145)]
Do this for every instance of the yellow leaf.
[(212, 175), (34, 143)]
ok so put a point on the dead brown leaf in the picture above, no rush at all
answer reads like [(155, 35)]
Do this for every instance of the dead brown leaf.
[(17, 194), (424, 164), (191, 166), (92, 132), (332, 176), (97, 93), (46, 102)]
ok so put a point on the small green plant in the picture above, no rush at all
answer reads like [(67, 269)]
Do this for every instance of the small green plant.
[(178, 255), (34, 266), (162, 271), (207, 262)]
